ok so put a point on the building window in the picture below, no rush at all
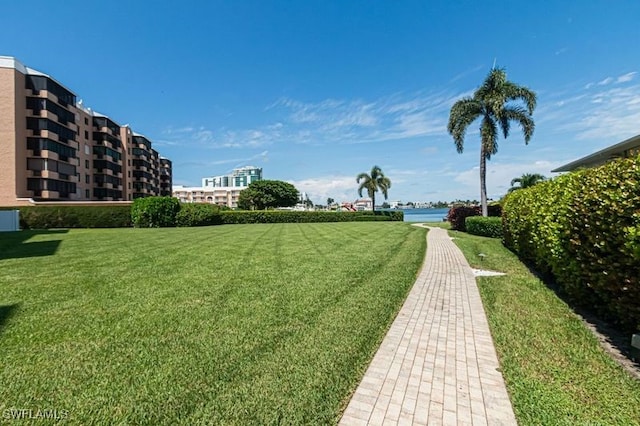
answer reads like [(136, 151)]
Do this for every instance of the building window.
[(87, 150), (87, 178), (87, 193), (86, 121), (86, 164), (86, 134)]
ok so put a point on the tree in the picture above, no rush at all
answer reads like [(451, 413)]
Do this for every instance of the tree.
[(374, 182), (526, 180), (493, 104), (264, 194), (307, 201), (330, 201)]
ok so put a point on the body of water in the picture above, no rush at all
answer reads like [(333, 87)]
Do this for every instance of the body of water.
[(424, 215)]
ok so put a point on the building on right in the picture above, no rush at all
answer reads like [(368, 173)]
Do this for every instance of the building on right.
[(624, 149)]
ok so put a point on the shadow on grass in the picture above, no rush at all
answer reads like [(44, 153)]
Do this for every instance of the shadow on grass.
[(6, 312), (14, 245), (615, 340)]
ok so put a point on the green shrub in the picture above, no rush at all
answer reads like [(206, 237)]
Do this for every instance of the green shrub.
[(583, 229), (197, 214), (289, 216), (45, 217), (457, 215), (484, 226), (154, 212)]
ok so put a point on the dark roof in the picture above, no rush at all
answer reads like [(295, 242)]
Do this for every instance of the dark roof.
[(602, 156)]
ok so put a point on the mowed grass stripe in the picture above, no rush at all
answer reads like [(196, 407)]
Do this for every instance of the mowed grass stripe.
[(242, 324)]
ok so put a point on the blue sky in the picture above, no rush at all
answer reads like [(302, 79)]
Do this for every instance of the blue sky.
[(315, 92)]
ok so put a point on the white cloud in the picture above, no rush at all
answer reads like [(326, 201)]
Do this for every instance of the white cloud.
[(606, 81), (626, 77), (394, 117), (599, 111), (340, 188), (466, 73), (222, 138)]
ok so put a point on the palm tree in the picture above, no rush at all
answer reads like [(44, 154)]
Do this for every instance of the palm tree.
[(372, 183), (492, 102), (526, 180)]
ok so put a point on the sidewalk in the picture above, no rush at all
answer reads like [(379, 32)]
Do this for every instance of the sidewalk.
[(437, 364)]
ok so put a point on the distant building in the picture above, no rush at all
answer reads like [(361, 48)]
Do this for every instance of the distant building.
[(221, 190), (53, 149), (239, 178), (222, 196), (363, 204), (627, 148)]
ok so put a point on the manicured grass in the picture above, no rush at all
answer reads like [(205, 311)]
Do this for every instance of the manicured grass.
[(240, 324), (555, 370)]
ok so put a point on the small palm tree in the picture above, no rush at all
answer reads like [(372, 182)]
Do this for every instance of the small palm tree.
[(372, 183), (526, 180), (492, 103)]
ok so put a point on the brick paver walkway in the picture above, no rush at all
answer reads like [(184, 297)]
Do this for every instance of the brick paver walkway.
[(437, 364)]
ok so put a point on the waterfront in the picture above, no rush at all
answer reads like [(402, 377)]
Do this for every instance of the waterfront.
[(424, 215)]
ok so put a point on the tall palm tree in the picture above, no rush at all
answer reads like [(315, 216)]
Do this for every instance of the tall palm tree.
[(526, 180), (492, 103), (372, 183)]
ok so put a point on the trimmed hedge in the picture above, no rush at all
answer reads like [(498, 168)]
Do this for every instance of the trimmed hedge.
[(458, 215), (584, 229), (197, 214), (154, 212), (167, 211), (45, 217), (289, 216), (484, 226)]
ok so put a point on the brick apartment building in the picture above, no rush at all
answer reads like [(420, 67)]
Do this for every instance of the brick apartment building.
[(52, 148)]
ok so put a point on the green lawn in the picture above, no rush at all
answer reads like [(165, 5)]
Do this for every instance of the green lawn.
[(555, 370), (241, 324)]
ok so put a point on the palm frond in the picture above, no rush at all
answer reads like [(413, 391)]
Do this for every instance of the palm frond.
[(463, 113), (523, 118), (362, 176), (515, 92)]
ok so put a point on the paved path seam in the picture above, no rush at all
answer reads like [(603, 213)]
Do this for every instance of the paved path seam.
[(437, 364)]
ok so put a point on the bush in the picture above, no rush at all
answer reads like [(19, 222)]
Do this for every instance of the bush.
[(458, 215), (484, 226), (198, 215), (45, 217), (583, 228), (289, 216), (154, 212)]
